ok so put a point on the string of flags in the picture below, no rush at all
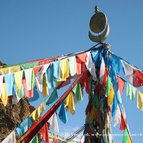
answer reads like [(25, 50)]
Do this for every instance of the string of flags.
[(48, 75), (101, 76), (53, 123), (36, 114)]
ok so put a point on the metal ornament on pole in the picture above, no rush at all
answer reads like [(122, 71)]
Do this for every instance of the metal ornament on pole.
[(99, 27)]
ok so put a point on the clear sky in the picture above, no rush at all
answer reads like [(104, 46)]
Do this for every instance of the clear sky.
[(33, 29)]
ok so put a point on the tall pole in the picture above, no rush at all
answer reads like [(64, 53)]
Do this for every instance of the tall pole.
[(97, 124), (103, 89)]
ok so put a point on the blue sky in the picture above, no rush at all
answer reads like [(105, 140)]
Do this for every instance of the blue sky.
[(33, 29)]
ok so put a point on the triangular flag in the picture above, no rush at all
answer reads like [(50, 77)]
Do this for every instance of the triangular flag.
[(64, 69), (69, 102), (121, 84), (117, 118), (72, 65), (28, 93), (52, 97), (56, 70), (110, 97), (62, 114), (80, 63), (78, 92), (122, 123), (44, 68), (117, 92), (44, 133), (94, 55), (18, 83), (34, 139), (18, 79), (90, 65), (9, 81), (135, 75), (41, 79), (131, 91), (36, 114), (37, 69), (11, 138), (45, 85), (54, 123), (102, 70), (4, 96), (114, 106), (138, 78), (140, 100), (119, 97), (116, 63), (128, 70), (24, 126), (50, 76), (30, 78), (108, 84), (126, 138), (36, 95)]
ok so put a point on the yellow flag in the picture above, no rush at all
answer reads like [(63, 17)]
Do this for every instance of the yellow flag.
[(18, 79), (140, 100), (129, 139), (4, 96), (45, 86), (110, 96), (69, 102), (9, 70), (36, 114), (64, 69)]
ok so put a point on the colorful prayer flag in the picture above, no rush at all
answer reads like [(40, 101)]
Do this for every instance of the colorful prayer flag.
[(140, 100)]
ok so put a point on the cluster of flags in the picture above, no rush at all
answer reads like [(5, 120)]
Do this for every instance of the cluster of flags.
[(67, 105), (21, 80)]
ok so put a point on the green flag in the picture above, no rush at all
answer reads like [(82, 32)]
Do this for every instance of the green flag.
[(131, 91), (108, 84), (125, 137), (78, 92), (52, 97), (35, 139)]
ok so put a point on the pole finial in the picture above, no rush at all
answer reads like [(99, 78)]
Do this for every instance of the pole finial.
[(99, 26), (96, 9)]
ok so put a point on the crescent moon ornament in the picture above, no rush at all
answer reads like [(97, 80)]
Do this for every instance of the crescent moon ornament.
[(101, 37), (98, 25)]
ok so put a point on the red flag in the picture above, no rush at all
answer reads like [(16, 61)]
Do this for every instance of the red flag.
[(121, 84), (137, 78), (44, 133), (122, 123), (105, 76), (37, 69), (28, 93), (135, 75), (80, 63)]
